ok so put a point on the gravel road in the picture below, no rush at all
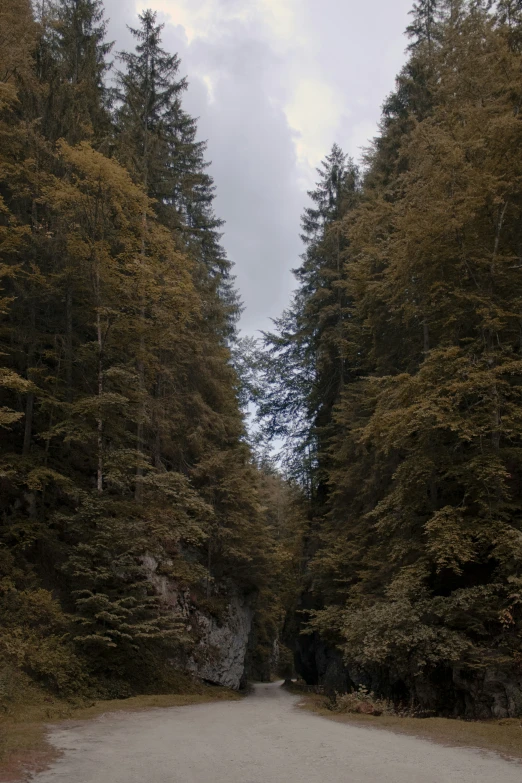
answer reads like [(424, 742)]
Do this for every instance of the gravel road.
[(263, 739)]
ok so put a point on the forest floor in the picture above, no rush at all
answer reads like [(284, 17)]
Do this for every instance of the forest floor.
[(25, 748), (264, 738)]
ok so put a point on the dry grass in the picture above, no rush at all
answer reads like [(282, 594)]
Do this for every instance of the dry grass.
[(500, 736), (24, 749)]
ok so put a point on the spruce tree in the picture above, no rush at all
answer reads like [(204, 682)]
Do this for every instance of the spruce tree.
[(312, 336), (158, 141), (417, 564), (509, 15), (72, 61), (104, 330), (423, 28)]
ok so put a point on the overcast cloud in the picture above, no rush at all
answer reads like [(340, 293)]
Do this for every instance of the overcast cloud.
[(275, 83)]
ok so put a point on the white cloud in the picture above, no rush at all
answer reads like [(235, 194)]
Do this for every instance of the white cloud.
[(359, 137), (313, 108), (314, 113), (274, 83), (282, 18), (195, 16), (200, 18), (210, 84)]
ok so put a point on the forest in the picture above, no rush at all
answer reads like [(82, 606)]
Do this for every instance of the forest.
[(380, 546), (395, 380), (124, 460)]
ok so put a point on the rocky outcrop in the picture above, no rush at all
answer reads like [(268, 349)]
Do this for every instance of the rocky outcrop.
[(450, 691), (492, 693), (319, 663), (219, 656), (220, 642)]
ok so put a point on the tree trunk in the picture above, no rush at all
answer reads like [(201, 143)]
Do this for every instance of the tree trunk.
[(28, 432), (496, 418), (99, 334), (426, 335), (157, 427), (138, 492), (69, 343), (141, 421), (29, 403)]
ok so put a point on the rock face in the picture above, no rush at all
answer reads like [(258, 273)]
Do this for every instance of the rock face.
[(321, 664), (221, 643), (491, 694), (219, 656), (451, 691)]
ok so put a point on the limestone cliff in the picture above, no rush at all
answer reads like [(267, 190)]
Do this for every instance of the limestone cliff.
[(220, 644)]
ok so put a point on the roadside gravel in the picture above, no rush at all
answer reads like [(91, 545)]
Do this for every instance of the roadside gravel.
[(262, 739)]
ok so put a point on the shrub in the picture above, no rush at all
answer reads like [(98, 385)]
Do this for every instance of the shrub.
[(363, 702)]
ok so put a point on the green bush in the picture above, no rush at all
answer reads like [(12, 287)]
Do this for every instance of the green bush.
[(35, 639), (362, 701)]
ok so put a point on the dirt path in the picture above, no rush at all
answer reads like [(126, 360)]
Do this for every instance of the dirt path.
[(262, 739)]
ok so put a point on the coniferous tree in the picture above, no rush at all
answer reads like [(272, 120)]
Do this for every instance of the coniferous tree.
[(416, 568), (509, 15), (122, 444), (149, 114), (72, 63), (310, 355), (322, 277), (157, 138), (423, 27)]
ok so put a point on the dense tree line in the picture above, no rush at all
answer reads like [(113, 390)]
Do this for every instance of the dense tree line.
[(394, 378), (121, 429), (399, 366)]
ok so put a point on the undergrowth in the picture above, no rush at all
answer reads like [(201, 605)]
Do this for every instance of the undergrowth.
[(361, 701)]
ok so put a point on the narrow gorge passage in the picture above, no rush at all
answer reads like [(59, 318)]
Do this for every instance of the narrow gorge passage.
[(263, 739)]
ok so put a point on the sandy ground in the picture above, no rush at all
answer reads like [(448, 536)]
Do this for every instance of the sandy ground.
[(262, 739)]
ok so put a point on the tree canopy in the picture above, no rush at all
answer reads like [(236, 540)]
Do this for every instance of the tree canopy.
[(404, 349)]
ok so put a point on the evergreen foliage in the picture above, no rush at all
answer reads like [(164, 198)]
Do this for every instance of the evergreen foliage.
[(307, 364), (121, 432), (157, 142), (393, 378), (415, 560)]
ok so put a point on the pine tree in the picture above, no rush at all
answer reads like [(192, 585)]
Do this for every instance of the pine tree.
[(149, 97), (322, 276), (509, 15), (310, 355), (509, 12), (123, 451), (417, 564), (423, 28), (72, 63), (17, 40), (157, 139)]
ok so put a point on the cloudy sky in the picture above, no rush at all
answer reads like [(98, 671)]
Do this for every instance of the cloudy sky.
[(275, 83)]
